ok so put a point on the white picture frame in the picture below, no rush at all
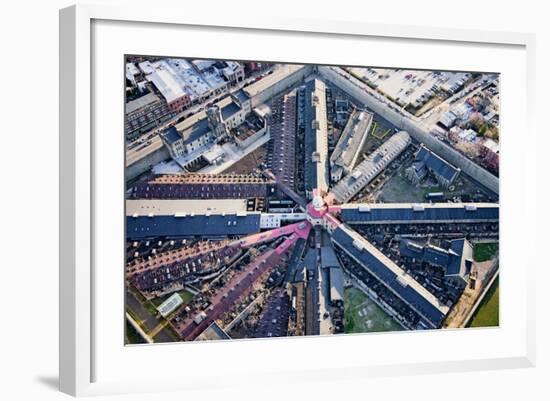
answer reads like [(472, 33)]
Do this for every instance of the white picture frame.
[(78, 344)]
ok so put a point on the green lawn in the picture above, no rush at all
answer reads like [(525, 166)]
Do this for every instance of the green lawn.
[(487, 314), (484, 251), (362, 315), (132, 336)]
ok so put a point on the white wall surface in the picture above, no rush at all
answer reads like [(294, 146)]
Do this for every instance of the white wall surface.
[(29, 197)]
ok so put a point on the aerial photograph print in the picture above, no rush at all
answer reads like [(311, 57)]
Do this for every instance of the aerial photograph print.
[(269, 200)]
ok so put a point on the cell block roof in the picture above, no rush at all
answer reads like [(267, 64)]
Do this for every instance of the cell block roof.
[(316, 145), (391, 275), (350, 143), (419, 213), (369, 168), (191, 226)]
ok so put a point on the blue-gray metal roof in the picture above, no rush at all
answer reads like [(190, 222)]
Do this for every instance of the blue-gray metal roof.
[(336, 284), (411, 249), (407, 214), (378, 268), (191, 134), (450, 260), (437, 256), (437, 164), (328, 257), (229, 110), (191, 226), (308, 263), (171, 135), (454, 266)]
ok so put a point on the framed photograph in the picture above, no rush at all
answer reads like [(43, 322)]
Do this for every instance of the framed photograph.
[(289, 199)]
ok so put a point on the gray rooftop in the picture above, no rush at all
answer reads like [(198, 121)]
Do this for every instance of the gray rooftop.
[(328, 257), (364, 173), (437, 164), (203, 226), (316, 146), (195, 131), (336, 284), (140, 102), (351, 141)]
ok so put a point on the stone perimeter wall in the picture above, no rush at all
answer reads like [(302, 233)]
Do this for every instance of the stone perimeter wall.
[(356, 89)]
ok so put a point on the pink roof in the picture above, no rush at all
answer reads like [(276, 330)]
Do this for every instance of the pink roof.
[(276, 233)]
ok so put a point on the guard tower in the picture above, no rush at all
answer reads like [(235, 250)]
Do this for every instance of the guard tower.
[(215, 122)]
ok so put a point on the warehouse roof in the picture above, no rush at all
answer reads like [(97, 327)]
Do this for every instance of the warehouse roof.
[(169, 84)]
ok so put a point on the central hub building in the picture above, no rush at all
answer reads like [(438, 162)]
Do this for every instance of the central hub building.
[(316, 210)]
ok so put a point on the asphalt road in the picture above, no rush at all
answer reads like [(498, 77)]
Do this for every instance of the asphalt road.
[(149, 321)]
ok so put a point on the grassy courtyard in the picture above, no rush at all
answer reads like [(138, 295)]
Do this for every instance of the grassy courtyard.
[(487, 314), (399, 189), (362, 315), (484, 251)]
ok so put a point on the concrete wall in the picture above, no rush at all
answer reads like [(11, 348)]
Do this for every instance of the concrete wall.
[(285, 83), (145, 163), (356, 89)]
